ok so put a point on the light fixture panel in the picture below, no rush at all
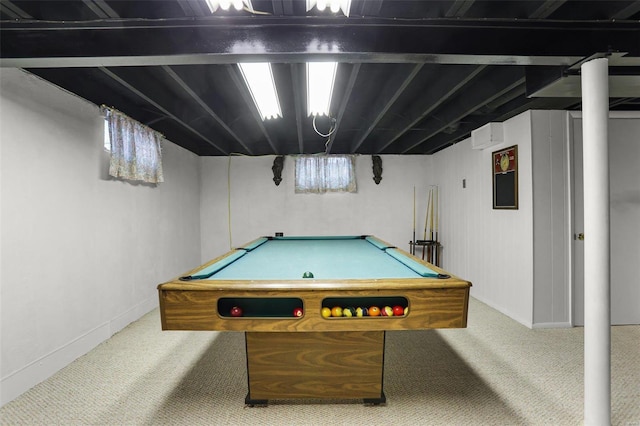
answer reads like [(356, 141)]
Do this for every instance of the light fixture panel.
[(258, 77), (320, 79), (334, 5)]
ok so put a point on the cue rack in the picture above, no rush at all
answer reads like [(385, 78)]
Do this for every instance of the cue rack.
[(431, 247)]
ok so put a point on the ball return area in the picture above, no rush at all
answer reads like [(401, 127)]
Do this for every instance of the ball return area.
[(320, 337)]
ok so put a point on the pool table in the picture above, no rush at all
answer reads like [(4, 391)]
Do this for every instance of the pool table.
[(321, 336)]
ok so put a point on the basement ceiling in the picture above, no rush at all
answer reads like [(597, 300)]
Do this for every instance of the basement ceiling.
[(414, 77)]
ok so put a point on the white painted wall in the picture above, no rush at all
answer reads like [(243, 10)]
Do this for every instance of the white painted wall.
[(259, 207), (491, 248), (551, 220), (81, 255), (520, 262)]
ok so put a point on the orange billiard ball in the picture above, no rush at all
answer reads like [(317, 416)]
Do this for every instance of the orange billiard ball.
[(336, 311), (374, 311)]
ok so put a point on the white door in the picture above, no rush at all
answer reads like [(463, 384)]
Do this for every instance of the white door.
[(577, 298), (624, 170)]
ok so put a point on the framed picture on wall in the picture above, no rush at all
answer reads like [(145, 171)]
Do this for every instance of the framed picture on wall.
[(505, 178)]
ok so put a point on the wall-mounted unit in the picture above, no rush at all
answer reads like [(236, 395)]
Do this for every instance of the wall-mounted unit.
[(486, 136)]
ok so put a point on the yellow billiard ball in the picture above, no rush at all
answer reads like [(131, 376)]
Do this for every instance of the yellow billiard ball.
[(326, 312), (362, 312)]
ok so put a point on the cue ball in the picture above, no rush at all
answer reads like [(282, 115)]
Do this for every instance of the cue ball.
[(307, 275), (236, 311), (297, 312)]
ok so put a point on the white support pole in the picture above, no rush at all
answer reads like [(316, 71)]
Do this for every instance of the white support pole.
[(597, 295)]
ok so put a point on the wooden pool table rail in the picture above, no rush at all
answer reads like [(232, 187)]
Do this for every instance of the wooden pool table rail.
[(428, 308)]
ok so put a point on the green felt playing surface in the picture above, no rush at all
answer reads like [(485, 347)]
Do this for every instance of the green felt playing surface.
[(327, 258)]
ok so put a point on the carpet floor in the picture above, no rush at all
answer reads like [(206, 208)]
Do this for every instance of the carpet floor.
[(495, 372)]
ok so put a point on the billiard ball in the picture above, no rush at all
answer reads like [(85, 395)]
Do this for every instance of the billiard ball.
[(387, 311), (349, 312), (406, 310), (336, 311), (307, 275), (362, 312), (326, 312), (298, 312), (236, 311), (374, 311), (398, 311)]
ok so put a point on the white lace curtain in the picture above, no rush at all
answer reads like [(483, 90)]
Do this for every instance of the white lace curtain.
[(135, 148), (325, 173)]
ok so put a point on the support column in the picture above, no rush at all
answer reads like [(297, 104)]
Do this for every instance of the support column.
[(597, 270)]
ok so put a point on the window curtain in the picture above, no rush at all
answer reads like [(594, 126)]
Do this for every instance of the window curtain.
[(325, 173), (135, 149)]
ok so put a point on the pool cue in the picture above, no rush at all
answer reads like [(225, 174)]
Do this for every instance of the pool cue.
[(436, 246), (413, 248), (430, 251), (426, 222)]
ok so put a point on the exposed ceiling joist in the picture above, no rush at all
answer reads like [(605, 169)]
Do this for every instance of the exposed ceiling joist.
[(353, 75), (293, 40), (463, 104), (163, 104), (416, 76)]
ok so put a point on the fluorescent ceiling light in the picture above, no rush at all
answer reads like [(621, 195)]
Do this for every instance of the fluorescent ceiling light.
[(334, 5), (259, 78), (320, 78), (227, 4)]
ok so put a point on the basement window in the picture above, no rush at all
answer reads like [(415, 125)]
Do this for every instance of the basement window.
[(319, 174)]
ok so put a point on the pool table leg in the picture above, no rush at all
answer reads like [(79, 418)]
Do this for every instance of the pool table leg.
[(315, 365), (376, 401), (255, 402)]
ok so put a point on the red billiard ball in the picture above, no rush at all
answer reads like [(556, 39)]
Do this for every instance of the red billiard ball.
[(398, 311), (236, 311), (297, 312)]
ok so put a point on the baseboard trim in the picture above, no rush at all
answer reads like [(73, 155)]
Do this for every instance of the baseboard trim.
[(503, 311), (552, 325), (16, 383)]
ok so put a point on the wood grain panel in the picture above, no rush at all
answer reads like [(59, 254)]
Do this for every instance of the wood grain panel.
[(337, 365), (428, 308)]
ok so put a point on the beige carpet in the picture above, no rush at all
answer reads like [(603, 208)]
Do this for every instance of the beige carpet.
[(495, 372)]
